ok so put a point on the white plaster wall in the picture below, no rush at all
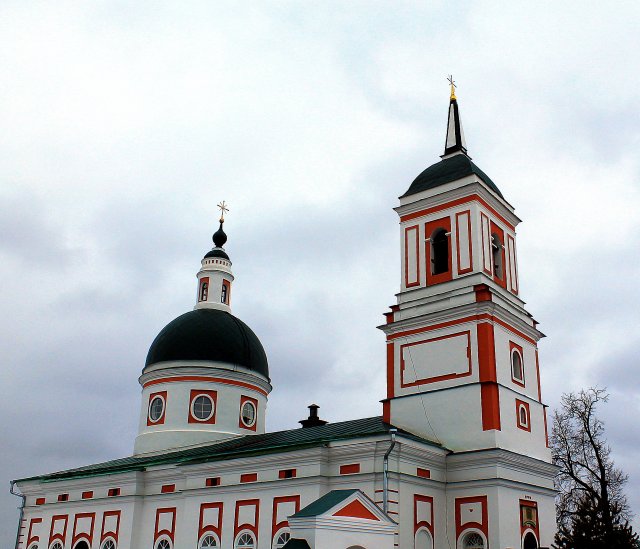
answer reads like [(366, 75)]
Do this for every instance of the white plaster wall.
[(503, 362), (176, 430)]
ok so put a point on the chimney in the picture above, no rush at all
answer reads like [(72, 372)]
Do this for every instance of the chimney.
[(313, 420)]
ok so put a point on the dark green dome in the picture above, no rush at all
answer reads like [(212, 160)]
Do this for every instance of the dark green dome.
[(447, 170), (209, 335)]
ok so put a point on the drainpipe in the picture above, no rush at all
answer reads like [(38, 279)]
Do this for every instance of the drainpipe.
[(385, 472), (13, 483)]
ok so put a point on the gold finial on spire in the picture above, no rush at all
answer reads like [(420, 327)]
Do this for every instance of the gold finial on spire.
[(223, 208), (453, 87)]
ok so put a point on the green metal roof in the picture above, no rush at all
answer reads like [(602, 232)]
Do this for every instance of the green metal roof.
[(246, 446), (447, 170), (326, 502)]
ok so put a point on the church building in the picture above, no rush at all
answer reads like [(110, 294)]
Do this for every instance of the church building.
[(458, 457)]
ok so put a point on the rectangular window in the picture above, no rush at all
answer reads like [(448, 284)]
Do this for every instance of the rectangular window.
[(287, 473), (40, 501), (168, 488), (114, 491), (212, 481), (424, 473), (87, 495), (63, 497)]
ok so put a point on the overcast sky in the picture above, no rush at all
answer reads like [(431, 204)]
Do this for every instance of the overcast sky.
[(122, 124)]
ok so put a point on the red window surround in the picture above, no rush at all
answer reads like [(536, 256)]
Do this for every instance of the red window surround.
[(163, 395), (241, 424), (430, 228), (87, 495), (517, 348), (40, 501), (212, 481), (213, 395), (113, 492), (63, 497), (424, 473), (249, 477), (522, 408), (350, 469)]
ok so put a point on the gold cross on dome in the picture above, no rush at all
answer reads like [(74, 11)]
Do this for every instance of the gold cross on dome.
[(453, 86), (223, 208)]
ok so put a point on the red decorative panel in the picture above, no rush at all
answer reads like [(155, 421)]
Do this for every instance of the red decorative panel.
[(514, 347), (350, 469), (210, 519), (110, 525), (355, 509), (40, 501), (424, 473), (165, 523), (412, 244), (430, 229), (247, 516), (529, 518), (163, 396), (83, 524), (472, 513), (422, 513), (33, 534), (58, 530), (249, 477), (241, 424), (283, 507), (213, 395), (168, 488), (87, 495), (489, 394), (523, 415)]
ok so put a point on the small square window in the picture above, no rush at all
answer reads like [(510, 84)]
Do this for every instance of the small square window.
[(213, 481), (113, 492)]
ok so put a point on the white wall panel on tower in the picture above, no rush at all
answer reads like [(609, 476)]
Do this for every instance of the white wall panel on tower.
[(463, 239), (412, 256), (486, 243), (513, 266), (432, 359)]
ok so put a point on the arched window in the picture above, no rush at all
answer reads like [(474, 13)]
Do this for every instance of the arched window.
[(223, 295), (163, 544), (208, 542), (530, 541), (81, 545), (473, 541), (496, 250), (516, 366), (109, 544), (281, 538), (34, 546), (524, 419), (245, 541), (439, 252), (204, 290)]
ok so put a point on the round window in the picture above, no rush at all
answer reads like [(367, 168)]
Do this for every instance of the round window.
[(156, 408), (248, 413), (202, 407)]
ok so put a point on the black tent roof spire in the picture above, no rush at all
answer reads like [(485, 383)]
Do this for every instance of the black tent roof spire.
[(454, 142)]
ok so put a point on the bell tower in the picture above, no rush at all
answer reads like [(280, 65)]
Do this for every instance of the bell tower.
[(462, 355)]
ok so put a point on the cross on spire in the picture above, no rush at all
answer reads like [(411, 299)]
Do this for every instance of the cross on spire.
[(223, 208), (453, 87)]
